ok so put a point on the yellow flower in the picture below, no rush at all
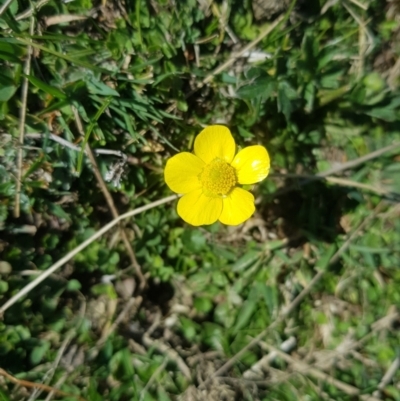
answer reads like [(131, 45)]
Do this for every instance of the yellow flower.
[(209, 178)]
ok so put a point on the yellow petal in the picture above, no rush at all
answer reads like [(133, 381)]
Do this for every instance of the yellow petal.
[(181, 172), (197, 209), (238, 206), (251, 164), (215, 141)]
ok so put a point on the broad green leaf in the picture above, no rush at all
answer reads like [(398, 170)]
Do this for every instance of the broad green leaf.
[(263, 87), (7, 84), (245, 261), (244, 314), (51, 90), (39, 352), (100, 88)]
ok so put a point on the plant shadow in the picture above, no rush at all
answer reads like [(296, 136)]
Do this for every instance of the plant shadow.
[(312, 212)]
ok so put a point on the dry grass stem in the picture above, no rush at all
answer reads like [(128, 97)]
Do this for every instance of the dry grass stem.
[(152, 379), (131, 307), (169, 352), (243, 51), (388, 376), (29, 287), (394, 74), (5, 6), (21, 128), (339, 181), (340, 168), (306, 369), (70, 145), (361, 5), (61, 19), (27, 13), (257, 370)]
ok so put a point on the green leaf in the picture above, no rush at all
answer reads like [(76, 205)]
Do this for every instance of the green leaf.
[(104, 289), (58, 211), (383, 114), (286, 96), (89, 130), (325, 259), (245, 261), (39, 352), (203, 304), (244, 314), (263, 87), (7, 84), (73, 285), (51, 90), (66, 57), (4, 396), (3, 287), (270, 296), (99, 88), (10, 51)]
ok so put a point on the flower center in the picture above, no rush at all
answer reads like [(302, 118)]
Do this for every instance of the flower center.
[(217, 178)]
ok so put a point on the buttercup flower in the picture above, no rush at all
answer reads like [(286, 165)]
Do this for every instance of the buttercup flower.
[(209, 179)]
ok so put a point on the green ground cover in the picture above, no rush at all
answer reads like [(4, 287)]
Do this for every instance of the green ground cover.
[(300, 302)]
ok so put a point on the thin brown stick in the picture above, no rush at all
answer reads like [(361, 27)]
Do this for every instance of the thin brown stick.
[(44, 387), (22, 117), (70, 145), (293, 305), (110, 203), (78, 249)]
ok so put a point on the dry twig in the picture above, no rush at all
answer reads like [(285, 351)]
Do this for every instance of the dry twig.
[(44, 387), (110, 203)]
